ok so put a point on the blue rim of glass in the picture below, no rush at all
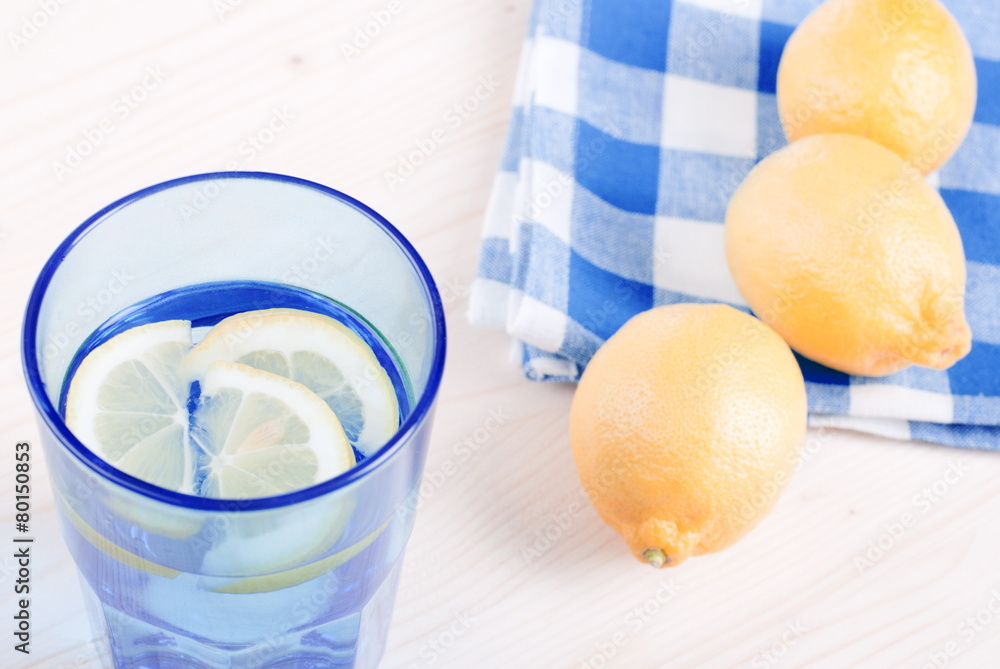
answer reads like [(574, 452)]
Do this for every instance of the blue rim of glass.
[(50, 415)]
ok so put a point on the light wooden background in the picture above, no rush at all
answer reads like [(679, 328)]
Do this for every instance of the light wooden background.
[(508, 565)]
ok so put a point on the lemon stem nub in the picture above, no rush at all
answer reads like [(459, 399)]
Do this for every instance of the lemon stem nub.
[(656, 557)]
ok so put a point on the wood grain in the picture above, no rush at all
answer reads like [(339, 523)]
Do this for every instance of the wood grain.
[(507, 549)]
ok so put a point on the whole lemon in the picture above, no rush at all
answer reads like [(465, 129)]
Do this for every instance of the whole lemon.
[(685, 428), (899, 72), (850, 256)]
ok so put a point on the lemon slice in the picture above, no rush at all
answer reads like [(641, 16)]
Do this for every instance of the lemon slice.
[(291, 577), (317, 351), (128, 404), (257, 434), (108, 547)]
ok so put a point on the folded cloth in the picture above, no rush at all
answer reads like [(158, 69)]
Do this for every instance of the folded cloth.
[(634, 121)]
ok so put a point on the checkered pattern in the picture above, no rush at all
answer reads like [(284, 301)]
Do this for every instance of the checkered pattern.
[(633, 124)]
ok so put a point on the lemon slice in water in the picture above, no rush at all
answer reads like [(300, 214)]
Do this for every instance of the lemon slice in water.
[(317, 351), (128, 404), (257, 434), (250, 434)]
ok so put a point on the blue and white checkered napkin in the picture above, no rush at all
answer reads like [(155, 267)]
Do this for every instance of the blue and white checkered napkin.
[(634, 122)]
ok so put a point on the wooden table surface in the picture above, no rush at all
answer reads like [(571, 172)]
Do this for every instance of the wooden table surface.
[(508, 566)]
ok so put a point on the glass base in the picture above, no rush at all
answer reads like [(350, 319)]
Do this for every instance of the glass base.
[(353, 642)]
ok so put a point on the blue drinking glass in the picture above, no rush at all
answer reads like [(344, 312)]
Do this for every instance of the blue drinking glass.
[(301, 580)]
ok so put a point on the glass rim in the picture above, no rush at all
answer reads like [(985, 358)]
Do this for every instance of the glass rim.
[(50, 414)]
